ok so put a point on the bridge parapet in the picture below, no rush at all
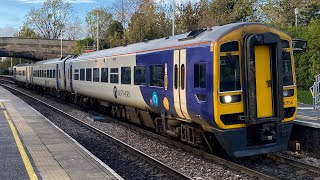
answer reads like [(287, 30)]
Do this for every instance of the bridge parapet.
[(35, 49)]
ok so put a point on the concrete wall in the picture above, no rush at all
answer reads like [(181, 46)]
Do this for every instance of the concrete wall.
[(35, 49)]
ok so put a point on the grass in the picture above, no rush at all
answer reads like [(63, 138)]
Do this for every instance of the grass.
[(304, 96)]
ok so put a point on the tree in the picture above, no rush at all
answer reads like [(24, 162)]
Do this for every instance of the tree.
[(306, 64), (124, 9), (282, 11), (115, 34), (147, 23), (26, 32), (230, 11), (51, 19), (188, 18), (98, 18), (74, 30), (85, 44)]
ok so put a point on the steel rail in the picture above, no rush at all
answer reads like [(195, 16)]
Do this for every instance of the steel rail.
[(216, 159), (223, 162), (295, 163), (133, 150)]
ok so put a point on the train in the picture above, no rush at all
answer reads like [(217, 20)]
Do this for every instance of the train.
[(232, 85)]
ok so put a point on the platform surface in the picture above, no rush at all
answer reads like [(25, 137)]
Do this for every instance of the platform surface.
[(307, 116), (50, 152)]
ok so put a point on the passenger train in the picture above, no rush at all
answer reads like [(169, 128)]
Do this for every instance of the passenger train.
[(233, 84)]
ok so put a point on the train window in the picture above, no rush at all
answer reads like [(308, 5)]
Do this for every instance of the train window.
[(50, 75), (229, 46), (59, 74), (22, 73), (157, 75), (104, 74), (139, 75), (54, 73), (76, 74), (200, 72), (114, 76), (96, 76), (182, 69), (284, 43), (286, 69), (82, 74), (176, 74), (114, 70), (229, 73), (125, 75), (88, 74)]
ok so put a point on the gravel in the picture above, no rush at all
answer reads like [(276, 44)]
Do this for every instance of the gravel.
[(126, 164), (186, 162), (267, 165)]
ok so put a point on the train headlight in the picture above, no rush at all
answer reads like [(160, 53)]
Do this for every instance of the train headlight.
[(288, 93), (230, 98), (227, 99)]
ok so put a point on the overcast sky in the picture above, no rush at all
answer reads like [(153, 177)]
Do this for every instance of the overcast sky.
[(12, 12)]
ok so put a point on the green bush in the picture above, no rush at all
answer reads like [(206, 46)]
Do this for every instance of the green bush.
[(304, 96), (307, 64)]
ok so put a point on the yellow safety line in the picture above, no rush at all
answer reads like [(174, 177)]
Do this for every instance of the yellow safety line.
[(26, 161), (1, 105)]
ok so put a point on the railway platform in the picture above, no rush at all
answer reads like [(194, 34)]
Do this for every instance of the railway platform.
[(31, 147), (307, 116)]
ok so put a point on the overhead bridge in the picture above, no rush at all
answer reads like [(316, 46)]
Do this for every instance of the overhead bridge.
[(35, 49)]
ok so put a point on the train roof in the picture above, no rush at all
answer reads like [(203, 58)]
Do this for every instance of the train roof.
[(22, 65), (49, 61), (207, 35)]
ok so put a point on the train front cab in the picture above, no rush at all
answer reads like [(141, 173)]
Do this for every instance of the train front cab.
[(255, 96)]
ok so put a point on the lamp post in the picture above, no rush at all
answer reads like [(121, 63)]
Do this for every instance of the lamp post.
[(61, 32), (296, 12), (173, 16)]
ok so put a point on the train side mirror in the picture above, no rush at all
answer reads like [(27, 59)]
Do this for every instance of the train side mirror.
[(299, 45)]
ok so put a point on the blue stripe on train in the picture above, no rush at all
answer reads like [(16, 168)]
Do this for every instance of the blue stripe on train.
[(196, 55), (152, 94), (149, 93)]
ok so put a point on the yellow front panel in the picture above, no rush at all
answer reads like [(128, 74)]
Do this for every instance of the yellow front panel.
[(263, 76)]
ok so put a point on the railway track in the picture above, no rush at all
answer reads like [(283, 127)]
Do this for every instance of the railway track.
[(216, 159), (287, 160), (224, 162), (172, 172)]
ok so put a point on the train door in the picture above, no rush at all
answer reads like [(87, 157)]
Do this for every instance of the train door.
[(263, 78), (14, 73), (25, 73), (31, 75), (57, 75), (70, 77), (179, 83)]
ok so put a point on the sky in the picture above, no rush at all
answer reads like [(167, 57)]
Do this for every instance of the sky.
[(13, 12)]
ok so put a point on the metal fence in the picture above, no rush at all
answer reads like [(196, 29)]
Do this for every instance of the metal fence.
[(315, 91)]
